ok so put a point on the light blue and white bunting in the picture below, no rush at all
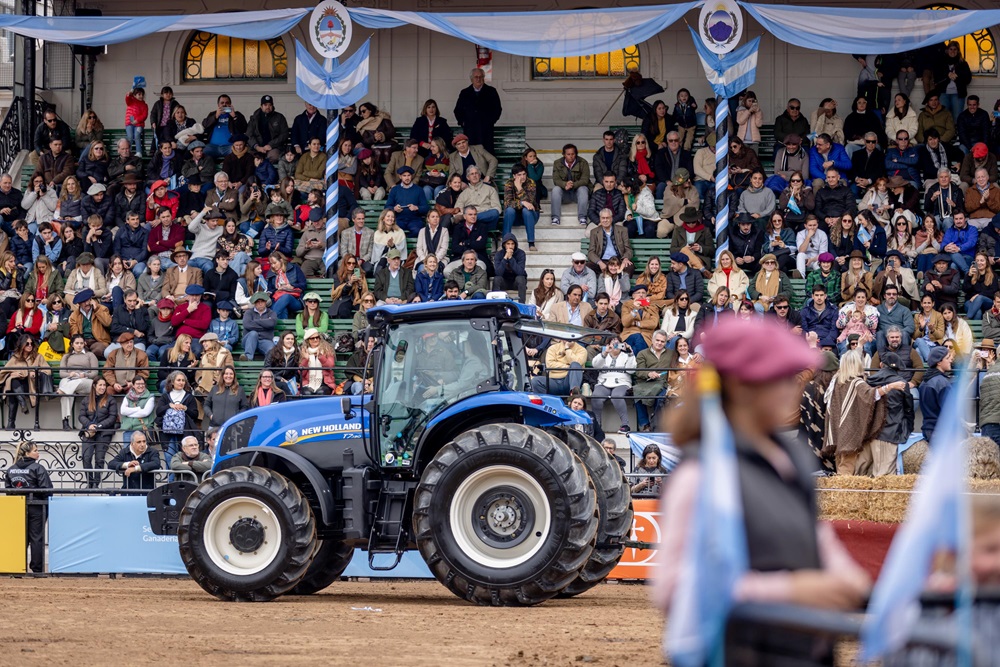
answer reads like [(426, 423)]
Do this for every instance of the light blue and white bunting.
[(938, 518), (344, 84), (728, 73), (715, 554)]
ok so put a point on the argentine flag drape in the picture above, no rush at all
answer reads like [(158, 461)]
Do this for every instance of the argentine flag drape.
[(715, 555), (346, 83), (937, 519)]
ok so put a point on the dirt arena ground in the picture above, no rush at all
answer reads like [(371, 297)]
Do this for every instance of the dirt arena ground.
[(90, 621)]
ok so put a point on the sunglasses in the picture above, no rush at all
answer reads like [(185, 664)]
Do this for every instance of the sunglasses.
[(313, 338), (869, 141), (902, 223), (791, 108), (673, 141), (796, 180), (640, 143), (902, 138), (576, 262), (683, 298), (781, 307), (29, 301)]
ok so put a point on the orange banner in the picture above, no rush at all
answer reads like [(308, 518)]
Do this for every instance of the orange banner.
[(640, 563)]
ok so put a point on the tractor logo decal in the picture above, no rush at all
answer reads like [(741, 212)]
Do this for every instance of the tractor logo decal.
[(291, 435), (340, 431)]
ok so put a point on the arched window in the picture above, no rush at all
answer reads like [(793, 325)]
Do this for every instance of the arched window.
[(210, 57), (597, 66), (978, 48)]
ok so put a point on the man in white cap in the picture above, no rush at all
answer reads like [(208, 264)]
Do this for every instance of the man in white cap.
[(579, 274), (97, 202)]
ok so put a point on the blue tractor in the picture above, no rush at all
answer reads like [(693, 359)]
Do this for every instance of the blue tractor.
[(507, 499)]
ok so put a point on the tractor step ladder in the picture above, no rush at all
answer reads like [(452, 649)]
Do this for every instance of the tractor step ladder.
[(389, 533)]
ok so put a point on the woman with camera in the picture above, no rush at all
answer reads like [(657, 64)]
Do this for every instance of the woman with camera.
[(615, 381), (652, 463)]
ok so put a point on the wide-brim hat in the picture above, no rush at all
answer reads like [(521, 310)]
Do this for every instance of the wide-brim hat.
[(897, 181), (856, 253), (180, 251), (681, 176), (757, 351), (689, 214), (259, 296), (987, 344), (131, 178)]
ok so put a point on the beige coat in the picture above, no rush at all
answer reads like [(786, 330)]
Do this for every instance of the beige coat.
[(560, 311), (206, 379), (18, 369), (484, 160)]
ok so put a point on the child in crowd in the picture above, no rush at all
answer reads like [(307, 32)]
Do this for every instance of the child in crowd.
[(287, 164), (224, 327), (264, 171), (280, 202), (686, 116), (136, 112), (856, 325)]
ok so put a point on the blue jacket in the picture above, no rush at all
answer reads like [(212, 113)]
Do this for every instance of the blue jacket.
[(933, 391), (509, 267), (966, 239), (85, 169), (52, 251), (105, 209), (132, 243), (294, 275), (837, 154), (22, 250), (409, 221), (281, 239), (266, 174), (824, 323), (429, 288), (902, 163), (303, 130), (228, 331)]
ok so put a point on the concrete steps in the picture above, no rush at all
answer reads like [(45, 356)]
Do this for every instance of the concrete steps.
[(555, 244)]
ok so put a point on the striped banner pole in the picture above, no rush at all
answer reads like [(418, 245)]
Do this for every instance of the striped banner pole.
[(332, 189), (721, 176)]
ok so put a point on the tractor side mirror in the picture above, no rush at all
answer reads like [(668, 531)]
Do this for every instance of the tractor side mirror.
[(345, 406)]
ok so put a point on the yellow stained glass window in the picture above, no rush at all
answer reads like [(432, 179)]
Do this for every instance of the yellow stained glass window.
[(216, 57), (597, 66), (978, 48)]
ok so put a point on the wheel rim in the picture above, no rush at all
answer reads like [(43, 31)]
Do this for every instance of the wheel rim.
[(500, 516), (242, 536)]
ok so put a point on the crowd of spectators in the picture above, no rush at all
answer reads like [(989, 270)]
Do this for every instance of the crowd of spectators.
[(890, 217)]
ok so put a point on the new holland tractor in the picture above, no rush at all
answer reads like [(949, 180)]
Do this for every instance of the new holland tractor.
[(505, 497)]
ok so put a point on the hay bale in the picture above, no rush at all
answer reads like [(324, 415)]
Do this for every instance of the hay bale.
[(843, 497), (889, 506), (913, 458), (984, 486), (984, 458)]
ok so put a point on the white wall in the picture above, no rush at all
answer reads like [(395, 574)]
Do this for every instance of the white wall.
[(410, 65)]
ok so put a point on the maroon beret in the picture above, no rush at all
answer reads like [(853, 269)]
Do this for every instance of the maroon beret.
[(757, 351)]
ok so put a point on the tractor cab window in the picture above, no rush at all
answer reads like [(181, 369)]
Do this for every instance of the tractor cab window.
[(425, 368)]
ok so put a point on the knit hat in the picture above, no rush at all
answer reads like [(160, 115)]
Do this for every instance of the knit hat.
[(757, 351)]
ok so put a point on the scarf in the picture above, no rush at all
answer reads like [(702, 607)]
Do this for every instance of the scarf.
[(84, 281), (939, 158), (767, 285), (372, 122), (19, 318), (693, 228), (132, 396), (264, 396), (432, 240), (614, 289), (642, 164)]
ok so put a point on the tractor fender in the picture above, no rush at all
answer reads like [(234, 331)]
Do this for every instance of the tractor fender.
[(538, 410), (297, 464)]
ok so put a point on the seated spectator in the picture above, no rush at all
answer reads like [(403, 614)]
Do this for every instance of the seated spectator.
[(778, 240), (136, 463), (982, 200), (132, 318), (91, 319), (769, 283), (898, 275), (371, 182), (481, 196), (267, 391), (892, 314), (854, 277), (77, 372), (508, 264), (283, 361), (125, 163), (176, 412), (220, 281), (579, 274), (214, 357), (429, 126), (651, 464), (377, 132), (465, 156), (641, 161), (640, 318), (879, 200), (867, 163), (222, 126), (26, 320), (277, 236), (264, 173), (679, 319), (743, 161), (22, 244), (871, 239), (70, 205), (617, 364), (393, 284), (978, 157), (564, 363), (429, 283), (960, 242), (704, 172), (350, 285), (901, 237), (655, 281), (957, 329), (727, 274), (651, 378), (610, 159), (433, 239), (744, 241), (161, 330), (436, 167), (136, 410), (316, 362), (39, 202), (124, 364), (407, 200), (692, 238), (834, 199), (192, 317), (826, 155), (307, 125), (268, 130), (935, 155), (56, 165), (223, 326), (236, 246), (757, 200), (901, 117), (991, 320), (224, 197), (641, 217), (471, 277), (361, 367), (180, 276), (679, 195), (98, 241), (198, 165), (286, 283), (573, 310), (239, 163), (160, 199), (669, 161), (810, 243), (603, 317), (614, 283), (782, 312), (312, 245), (546, 294), (868, 320), (790, 159), (166, 164), (408, 157), (131, 244), (191, 459), (859, 123), (944, 198), (942, 282), (820, 318), (25, 378), (571, 180), (258, 327), (791, 121), (980, 287), (608, 196), (901, 160), (387, 237), (150, 284), (608, 240), (93, 166), (357, 241), (520, 201), (936, 116), (824, 120), (310, 170)]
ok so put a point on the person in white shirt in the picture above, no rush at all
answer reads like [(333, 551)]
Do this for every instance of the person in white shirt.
[(615, 380), (811, 242)]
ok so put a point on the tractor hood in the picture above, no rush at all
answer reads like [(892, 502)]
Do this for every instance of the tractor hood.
[(559, 331)]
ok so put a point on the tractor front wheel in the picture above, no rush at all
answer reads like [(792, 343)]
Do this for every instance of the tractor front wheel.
[(505, 515)]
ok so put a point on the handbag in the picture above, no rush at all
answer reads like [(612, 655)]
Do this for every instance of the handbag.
[(174, 421)]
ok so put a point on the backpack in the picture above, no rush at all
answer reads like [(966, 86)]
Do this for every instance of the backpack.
[(174, 421)]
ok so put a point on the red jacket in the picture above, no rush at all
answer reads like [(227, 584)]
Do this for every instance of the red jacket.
[(193, 324), (31, 321), (328, 365), (156, 243), (137, 109), (171, 200)]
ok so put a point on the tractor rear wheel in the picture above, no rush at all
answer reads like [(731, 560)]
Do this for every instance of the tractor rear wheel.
[(614, 501), (247, 534), (505, 515), (330, 562)]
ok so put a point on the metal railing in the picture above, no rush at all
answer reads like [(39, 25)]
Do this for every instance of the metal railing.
[(18, 123)]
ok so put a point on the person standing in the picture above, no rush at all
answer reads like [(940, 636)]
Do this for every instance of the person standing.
[(989, 391), (28, 473), (899, 415), (934, 388), (478, 109)]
